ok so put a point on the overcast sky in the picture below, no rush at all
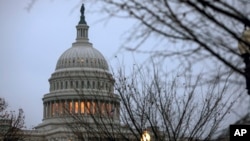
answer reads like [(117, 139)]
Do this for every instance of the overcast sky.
[(32, 41)]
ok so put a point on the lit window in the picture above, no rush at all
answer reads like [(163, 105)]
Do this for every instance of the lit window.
[(93, 107), (52, 109), (102, 108), (70, 107), (108, 108), (82, 107), (56, 108), (82, 60), (88, 107), (76, 107), (60, 108)]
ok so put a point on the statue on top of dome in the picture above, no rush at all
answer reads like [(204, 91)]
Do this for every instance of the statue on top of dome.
[(82, 19), (82, 10)]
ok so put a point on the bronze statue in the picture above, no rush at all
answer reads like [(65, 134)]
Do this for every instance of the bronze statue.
[(82, 9)]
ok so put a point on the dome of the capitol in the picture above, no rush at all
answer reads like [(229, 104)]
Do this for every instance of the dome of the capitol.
[(82, 55), (80, 84)]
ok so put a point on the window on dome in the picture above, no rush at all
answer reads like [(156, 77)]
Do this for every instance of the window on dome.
[(70, 107), (82, 107), (66, 84), (77, 84), (102, 86), (61, 85), (82, 84), (65, 107), (98, 85), (102, 108), (82, 60), (117, 111), (78, 32), (57, 85), (54, 109), (60, 108), (76, 107), (93, 108), (110, 88), (71, 84), (93, 84), (109, 107), (88, 107), (88, 84)]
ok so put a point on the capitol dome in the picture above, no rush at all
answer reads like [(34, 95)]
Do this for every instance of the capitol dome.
[(81, 85), (82, 55)]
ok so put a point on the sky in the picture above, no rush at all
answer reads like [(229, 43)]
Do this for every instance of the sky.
[(32, 41)]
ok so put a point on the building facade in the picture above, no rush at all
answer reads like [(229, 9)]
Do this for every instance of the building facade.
[(81, 104)]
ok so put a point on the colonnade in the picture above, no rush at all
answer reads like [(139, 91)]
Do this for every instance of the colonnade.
[(58, 108), (81, 84)]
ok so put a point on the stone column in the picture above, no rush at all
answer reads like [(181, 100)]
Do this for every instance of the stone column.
[(73, 107), (49, 109)]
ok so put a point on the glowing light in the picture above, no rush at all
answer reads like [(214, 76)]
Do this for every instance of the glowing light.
[(145, 136)]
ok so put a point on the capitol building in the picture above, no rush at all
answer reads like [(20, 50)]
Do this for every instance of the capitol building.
[(81, 104)]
